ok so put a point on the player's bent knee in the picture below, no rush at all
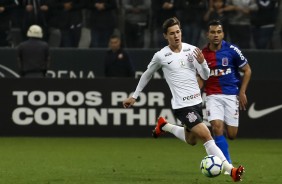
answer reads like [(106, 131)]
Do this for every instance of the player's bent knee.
[(231, 137), (191, 142)]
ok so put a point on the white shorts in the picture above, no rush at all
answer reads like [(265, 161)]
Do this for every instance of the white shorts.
[(223, 107)]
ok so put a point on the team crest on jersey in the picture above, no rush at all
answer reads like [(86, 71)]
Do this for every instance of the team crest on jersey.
[(192, 117), (224, 61), (190, 58)]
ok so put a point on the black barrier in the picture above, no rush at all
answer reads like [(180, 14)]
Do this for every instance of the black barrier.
[(80, 107), (89, 63), (93, 107)]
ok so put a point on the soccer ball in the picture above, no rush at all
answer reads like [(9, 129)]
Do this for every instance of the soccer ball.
[(211, 166)]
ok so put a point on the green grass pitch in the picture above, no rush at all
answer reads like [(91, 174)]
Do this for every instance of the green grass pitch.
[(129, 161)]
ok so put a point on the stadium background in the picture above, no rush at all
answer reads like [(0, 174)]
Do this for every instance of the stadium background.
[(76, 99)]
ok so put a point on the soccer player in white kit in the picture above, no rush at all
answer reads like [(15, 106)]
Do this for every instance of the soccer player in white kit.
[(181, 62)]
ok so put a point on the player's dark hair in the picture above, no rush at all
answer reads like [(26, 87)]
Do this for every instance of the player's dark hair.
[(170, 22), (214, 22)]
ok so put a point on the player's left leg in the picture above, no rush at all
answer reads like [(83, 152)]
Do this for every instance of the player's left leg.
[(200, 131), (203, 133), (231, 115), (231, 132)]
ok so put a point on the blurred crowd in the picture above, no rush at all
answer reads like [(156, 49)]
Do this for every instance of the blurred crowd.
[(250, 24)]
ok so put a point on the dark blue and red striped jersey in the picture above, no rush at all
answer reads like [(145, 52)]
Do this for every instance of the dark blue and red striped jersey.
[(224, 66)]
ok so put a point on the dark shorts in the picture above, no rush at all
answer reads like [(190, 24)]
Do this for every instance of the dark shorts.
[(190, 116)]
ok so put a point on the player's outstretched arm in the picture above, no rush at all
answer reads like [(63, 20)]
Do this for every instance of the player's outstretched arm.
[(202, 67), (199, 55), (129, 102)]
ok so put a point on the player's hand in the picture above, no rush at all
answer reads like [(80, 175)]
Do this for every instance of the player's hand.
[(243, 101), (199, 55), (128, 102)]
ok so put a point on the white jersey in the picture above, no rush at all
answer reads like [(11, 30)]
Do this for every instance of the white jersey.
[(180, 71)]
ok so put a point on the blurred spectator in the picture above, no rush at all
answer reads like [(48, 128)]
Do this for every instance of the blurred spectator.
[(117, 61), (216, 11), (66, 16), (191, 13), (33, 54), (16, 34), (277, 35), (263, 22), (6, 8), (62, 21), (136, 15), (281, 36), (161, 10), (85, 39), (103, 21), (240, 21), (35, 12)]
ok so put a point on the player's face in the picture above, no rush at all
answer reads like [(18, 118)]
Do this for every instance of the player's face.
[(215, 34), (173, 36)]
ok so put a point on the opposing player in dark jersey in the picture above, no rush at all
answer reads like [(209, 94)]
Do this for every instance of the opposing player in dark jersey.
[(180, 63), (225, 88)]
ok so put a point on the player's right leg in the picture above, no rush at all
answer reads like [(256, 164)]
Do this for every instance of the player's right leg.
[(178, 131), (216, 114), (163, 126), (158, 131), (219, 138), (189, 117)]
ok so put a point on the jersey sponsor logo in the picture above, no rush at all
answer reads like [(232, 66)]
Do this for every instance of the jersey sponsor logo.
[(192, 117), (224, 61), (220, 72), (191, 96), (186, 50), (168, 54), (238, 52), (254, 114)]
